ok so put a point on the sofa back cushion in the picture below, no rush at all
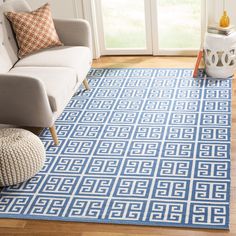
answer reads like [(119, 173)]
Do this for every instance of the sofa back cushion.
[(8, 45)]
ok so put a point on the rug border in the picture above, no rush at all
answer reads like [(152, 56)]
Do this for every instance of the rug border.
[(115, 222)]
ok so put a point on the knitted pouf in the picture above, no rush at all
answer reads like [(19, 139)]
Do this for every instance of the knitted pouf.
[(22, 155)]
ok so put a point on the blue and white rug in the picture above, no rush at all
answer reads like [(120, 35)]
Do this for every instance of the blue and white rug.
[(144, 146)]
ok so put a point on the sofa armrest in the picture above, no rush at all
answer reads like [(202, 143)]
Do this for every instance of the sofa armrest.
[(24, 102), (74, 32)]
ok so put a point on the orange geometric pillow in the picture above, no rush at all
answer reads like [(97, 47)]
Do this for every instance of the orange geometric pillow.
[(34, 30)]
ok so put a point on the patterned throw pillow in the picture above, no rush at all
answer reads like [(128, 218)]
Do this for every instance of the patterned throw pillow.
[(34, 30)]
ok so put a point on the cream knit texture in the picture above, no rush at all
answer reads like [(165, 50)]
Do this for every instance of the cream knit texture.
[(22, 155)]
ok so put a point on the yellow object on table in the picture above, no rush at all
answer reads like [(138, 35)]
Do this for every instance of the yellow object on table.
[(224, 20)]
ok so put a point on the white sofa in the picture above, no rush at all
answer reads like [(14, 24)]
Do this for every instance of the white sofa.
[(35, 89)]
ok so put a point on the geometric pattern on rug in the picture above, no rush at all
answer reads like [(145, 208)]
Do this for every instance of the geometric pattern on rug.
[(144, 146)]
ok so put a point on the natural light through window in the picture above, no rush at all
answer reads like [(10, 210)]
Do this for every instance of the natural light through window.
[(124, 23), (150, 26), (179, 23)]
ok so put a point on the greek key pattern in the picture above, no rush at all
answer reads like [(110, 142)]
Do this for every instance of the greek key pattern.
[(144, 146)]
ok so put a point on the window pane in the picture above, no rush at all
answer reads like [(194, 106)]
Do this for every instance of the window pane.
[(124, 23), (179, 23)]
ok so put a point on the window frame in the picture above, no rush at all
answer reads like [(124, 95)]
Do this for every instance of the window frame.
[(151, 23), (124, 51), (157, 51)]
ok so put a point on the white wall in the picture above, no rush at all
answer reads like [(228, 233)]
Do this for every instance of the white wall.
[(61, 8), (231, 7), (211, 10), (215, 10)]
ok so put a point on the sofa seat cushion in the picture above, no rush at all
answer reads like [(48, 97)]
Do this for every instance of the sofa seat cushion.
[(59, 82), (78, 58)]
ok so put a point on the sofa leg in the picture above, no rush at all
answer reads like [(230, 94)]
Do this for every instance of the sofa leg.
[(86, 85), (54, 135)]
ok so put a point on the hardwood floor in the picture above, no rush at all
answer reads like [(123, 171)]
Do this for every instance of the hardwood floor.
[(144, 62), (48, 228)]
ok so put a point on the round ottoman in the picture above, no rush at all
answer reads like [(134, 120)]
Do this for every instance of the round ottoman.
[(22, 155)]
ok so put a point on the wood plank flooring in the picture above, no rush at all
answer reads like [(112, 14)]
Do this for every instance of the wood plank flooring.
[(10, 227)]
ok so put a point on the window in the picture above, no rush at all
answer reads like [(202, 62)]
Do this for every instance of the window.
[(124, 23), (150, 26)]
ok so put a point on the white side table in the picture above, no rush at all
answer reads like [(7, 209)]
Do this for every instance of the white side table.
[(220, 55)]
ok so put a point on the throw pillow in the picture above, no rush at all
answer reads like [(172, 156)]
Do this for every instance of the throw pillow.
[(34, 30)]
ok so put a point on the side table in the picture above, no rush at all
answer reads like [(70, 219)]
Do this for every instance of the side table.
[(220, 55)]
